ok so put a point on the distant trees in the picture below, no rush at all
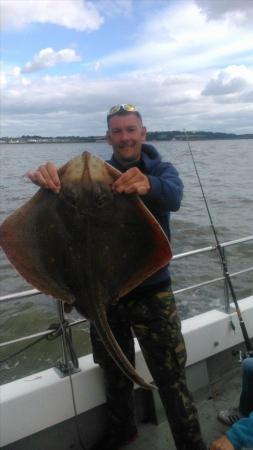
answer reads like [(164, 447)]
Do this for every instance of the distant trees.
[(193, 135), (151, 136)]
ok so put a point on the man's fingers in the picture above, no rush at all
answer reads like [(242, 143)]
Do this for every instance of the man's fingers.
[(31, 176), (50, 174), (139, 188), (52, 171), (125, 184), (129, 176), (132, 181), (37, 178), (46, 177)]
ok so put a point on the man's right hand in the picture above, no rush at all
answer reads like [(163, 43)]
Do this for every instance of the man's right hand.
[(46, 176)]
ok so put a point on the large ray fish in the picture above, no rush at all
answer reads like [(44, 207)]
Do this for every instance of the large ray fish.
[(87, 245)]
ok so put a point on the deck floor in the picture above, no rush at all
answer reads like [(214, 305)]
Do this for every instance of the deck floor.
[(221, 396)]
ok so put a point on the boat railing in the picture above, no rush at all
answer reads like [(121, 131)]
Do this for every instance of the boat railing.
[(64, 325)]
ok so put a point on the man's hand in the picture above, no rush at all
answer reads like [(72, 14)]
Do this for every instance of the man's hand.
[(46, 176), (133, 181), (222, 443)]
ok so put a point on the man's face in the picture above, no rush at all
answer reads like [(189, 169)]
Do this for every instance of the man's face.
[(126, 134)]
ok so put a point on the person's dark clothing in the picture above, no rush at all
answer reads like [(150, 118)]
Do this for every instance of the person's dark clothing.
[(157, 327), (150, 311), (165, 196)]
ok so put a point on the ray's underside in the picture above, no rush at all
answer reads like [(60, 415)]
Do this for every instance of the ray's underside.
[(87, 245)]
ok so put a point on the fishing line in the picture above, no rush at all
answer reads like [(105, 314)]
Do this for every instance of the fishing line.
[(230, 287), (69, 373)]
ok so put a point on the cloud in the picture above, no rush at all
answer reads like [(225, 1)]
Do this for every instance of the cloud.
[(247, 97), (79, 105), (3, 81), (47, 57), (235, 10), (221, 86), (112, 8), (80, 15), (231, 80), (182, 70), (169, 42)]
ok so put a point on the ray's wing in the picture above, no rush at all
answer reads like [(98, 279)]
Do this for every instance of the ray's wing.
[(87, 244)]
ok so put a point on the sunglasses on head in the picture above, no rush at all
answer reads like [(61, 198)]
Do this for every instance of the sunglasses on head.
[(123, 107)]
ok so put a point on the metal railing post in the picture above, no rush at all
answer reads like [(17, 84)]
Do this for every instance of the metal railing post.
[(60, 311), (67, 366), (226, 289)]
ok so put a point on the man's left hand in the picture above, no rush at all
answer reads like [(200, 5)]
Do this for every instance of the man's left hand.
[(133, 181)]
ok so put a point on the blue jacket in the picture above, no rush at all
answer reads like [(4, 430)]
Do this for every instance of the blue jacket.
[(165, 196), (241, 433)]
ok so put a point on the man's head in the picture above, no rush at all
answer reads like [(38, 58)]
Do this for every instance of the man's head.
[(125, 133)]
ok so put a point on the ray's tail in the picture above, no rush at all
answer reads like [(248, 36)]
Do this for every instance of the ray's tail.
[(102, 326)]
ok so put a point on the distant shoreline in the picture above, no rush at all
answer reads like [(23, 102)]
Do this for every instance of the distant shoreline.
[(151, 136)]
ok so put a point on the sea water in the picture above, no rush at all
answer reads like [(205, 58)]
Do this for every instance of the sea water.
[(225, 170)]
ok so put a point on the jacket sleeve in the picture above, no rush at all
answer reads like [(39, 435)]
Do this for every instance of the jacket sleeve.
[(166, 189), (241, 433)]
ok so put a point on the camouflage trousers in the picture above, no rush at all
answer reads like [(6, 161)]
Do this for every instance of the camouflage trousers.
[(156, 324)]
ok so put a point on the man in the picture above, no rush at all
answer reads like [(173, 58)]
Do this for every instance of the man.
[(150, 308), (240, 435)]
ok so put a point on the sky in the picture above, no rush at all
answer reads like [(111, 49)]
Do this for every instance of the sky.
[(185, 64)]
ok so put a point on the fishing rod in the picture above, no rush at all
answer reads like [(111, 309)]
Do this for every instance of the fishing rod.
[(248, 344)]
